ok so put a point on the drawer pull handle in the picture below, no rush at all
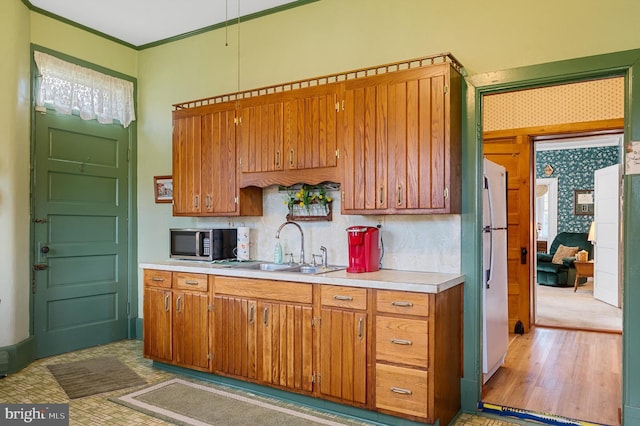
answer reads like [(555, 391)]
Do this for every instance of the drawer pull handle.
[(402, 304), (166, 302), (252, 314), (265, 317), (157, 279), (179, 304), (400, 391), (191, 282), (401, 342), (339, 297), (360, 328)]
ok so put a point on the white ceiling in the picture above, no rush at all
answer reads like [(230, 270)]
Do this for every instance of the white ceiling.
[(140, 22)]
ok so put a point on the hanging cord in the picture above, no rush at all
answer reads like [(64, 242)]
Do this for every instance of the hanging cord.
[(381, 245), (238, 45), (226, 23)]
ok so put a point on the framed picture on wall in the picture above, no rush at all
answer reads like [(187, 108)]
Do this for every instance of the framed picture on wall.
[(583, 202), (163, 187)]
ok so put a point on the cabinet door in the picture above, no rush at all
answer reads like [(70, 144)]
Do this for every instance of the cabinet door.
[(260, 135), (343, 355), (235, 330), (310, 128), (286, 345), (191, 329), (364, 148), (401, 142), (219, 179), (157, 324), (187, 136)]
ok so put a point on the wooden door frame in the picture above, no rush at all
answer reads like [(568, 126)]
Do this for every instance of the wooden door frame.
[(625, 64), (134, 328), (529, 134)]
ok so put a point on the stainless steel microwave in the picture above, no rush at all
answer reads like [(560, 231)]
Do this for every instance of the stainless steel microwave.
[(203, 244)]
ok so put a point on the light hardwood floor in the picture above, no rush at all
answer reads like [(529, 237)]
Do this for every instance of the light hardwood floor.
[(575, 374)]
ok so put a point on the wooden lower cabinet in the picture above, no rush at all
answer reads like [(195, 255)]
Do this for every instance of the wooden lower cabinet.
[(343, 373), (395, 352), (418, 354), (264, 332), (343, 355), (176, 318), (157, 324), (235, 347)]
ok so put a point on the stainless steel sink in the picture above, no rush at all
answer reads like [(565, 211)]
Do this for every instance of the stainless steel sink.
[(310, 269), (286, 267)]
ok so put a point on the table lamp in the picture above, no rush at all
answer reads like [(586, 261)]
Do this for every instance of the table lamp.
[(592, 232)]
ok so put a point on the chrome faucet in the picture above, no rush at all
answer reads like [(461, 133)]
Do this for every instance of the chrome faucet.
[(323, 249), (302, 262)]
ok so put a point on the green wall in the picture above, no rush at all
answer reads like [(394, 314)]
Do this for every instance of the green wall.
[(320, 38), (14, 173)]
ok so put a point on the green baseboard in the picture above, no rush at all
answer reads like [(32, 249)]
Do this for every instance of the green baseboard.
[(18, 356), (135, 328)]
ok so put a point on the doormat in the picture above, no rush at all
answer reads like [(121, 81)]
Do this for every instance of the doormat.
[(544, 418), (94, 376), (187, 403)]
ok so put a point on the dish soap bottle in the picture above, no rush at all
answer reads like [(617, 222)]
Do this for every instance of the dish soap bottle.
[(277, 252)]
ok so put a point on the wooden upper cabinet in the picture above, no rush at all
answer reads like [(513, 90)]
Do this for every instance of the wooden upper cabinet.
[(205, 170), (260, 134), (187, 138), (289, 137), (311, 133), (401, 142)]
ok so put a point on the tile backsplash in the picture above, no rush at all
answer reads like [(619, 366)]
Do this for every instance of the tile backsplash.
[(411, 242)]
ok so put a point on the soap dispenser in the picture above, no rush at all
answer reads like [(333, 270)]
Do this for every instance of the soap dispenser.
[(277, 252)]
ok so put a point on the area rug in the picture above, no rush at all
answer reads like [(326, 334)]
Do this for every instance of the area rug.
[(94, 376), (187, 403), (562, 307)]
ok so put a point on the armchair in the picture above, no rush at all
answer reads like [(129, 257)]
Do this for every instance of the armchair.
[(564, 274)]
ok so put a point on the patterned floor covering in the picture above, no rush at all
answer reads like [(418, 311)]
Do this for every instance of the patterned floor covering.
[(35, 384)]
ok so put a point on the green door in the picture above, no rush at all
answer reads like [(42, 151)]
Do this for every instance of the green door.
[(80, 233)]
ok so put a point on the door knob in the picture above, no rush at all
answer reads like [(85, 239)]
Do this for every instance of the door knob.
[(44, 249), (523, 255)]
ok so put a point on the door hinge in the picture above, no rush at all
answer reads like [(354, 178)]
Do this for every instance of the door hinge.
[(40, 220), (337, 106), (240, 161), (235, 200), (237, 121), (33, 286), (316, 321), (212, 307), (446, 89), (338, 153), (128, 309), (315, 378)]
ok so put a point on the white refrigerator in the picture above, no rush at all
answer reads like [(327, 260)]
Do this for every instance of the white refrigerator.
[(495, 321)]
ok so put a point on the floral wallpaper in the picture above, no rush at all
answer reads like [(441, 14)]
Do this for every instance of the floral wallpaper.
[(574, 170)]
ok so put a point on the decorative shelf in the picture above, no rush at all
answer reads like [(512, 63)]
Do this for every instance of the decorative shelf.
[(314, 212)]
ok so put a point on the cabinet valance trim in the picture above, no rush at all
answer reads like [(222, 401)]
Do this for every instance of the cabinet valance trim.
[(326, 79)]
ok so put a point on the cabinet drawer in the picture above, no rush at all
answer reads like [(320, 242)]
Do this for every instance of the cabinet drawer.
[(343, 297), (281, 291), (187, 281), (403, 390), (402, 340), (156, 278), (402, 302)]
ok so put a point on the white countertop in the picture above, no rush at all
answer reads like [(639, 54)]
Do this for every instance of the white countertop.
[(386, 279)]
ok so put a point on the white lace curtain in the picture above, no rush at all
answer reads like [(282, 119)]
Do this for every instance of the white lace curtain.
[(69, 87)]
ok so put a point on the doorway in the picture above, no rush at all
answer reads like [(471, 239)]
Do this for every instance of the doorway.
[(531, 343), (556, 158), (81, 241)]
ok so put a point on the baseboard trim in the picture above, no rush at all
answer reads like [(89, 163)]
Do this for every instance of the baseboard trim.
[(19, 355)]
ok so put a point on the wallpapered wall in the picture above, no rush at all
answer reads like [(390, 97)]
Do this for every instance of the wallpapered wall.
[(566, 103), (574, 170)]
